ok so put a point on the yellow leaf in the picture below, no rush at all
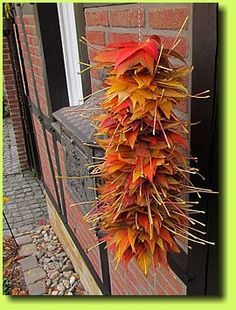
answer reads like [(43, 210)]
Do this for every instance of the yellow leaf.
[(115, 167), (174, 85), (166, 108), (132, 234), (144, 262), (117, 87), (174, 93), (160, 243), (136, 174)]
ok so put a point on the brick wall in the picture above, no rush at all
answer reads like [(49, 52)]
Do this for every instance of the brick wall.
[(108, 24), (14, 104), (33, 58)]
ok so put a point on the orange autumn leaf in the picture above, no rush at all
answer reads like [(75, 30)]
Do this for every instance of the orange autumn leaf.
[(132, 235), (143, 221), (144, 170), (131, 137)]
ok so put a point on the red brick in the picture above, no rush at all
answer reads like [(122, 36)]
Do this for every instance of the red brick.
[(167, 18), (11, 87), (8, 79), (37, 70), (12, 96), (34, 50), (132, 290), (136, 277), (24, 51), (92, 53), (8, 72), (36, 60), (6, 67), (96, 37), (29, 19), (6, 56), (94, 73), (96, 18), (96, 85), (122, 37), (19, 27), (33, 40), (117, 289), (39, 80), (162, 280), (21, 37), (30, 29), (181, 48), (126, 18), (182, 106), (7, 61), (173, 281)]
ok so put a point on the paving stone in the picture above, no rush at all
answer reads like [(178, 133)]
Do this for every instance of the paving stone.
[(20, 195), (27, 249), (34, 275), (27, 216), (37, 288), (29, 262), (19, 200), (16, 188), (19, 191), (22, 240), (24, 186), (6, 233), (18, 224), (11, 205), (29, 221), (25, 228), (18, 219), (27, 189), (25, 211), (10, 220)]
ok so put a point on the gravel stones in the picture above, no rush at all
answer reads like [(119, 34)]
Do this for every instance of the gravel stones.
[(72, 280), (61, 278)]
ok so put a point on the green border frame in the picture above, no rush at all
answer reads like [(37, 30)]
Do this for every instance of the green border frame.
[(228, 300)]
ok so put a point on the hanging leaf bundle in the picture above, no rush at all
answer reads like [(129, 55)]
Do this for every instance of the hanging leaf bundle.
[(144, 172)]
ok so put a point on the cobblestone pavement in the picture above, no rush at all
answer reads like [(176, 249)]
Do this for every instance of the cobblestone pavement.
[(26, 208)]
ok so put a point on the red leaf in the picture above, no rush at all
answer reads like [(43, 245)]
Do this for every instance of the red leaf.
[(126, 257), (179, 139), (166, 235), (143, 221)]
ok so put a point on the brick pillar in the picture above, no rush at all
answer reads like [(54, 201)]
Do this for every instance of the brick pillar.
[(14, 105)]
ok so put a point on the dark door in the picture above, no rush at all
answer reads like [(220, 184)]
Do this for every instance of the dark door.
[(203, 261)]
